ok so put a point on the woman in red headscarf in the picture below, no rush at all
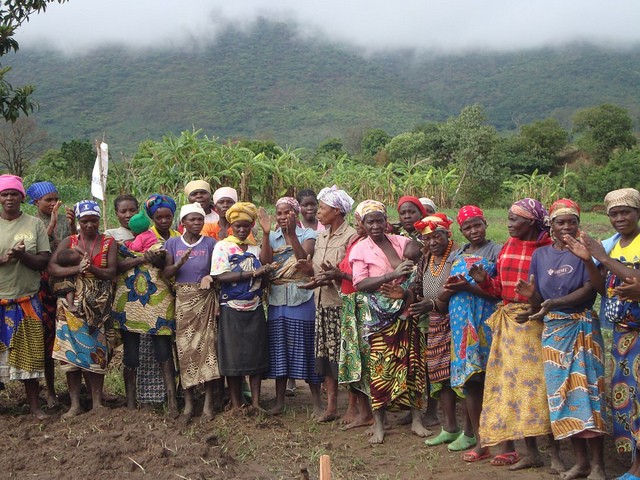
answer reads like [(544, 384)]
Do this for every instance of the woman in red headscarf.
[(469, 308), (410, 211)]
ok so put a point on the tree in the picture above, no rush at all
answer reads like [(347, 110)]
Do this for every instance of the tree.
[(470, 142), (407, 147), (13, 13), (20, 143), (604, 129), (373, 141), (80, 157), (331, 147)]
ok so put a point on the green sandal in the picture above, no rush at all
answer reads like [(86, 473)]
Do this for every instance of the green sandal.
[(462, 443), (443, 437)]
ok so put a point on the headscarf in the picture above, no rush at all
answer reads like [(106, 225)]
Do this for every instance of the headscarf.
[(369, 206), (225, 192), (38, 190), (292, 202), (194, 185), (158, 200), (533, 210), (87, 207), (564, 206), (415, 201), (437, 221), (191, 208), (336, 199), (139, 223), (12, 182), (242, 211), (469, 211), (428, 202), (625, 197)]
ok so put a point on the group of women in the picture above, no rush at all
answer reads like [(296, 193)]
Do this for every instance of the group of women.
[(398, 314)]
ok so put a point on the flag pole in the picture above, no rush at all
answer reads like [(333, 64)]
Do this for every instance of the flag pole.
[(102, 183)]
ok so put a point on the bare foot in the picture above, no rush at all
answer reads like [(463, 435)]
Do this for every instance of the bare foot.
[(52, 401), (597, 473), (359, 422), (377, 434), (72, 412), (317, 412), (418, 429), (349, 417), (39, 414), (206, 417), (557, 467), (430, 420), (186, 417), (577, 471), (277, 410), (527, 462), (327, 417)]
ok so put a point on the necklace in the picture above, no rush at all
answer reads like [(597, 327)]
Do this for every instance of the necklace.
[(443, 261), (84, 245)]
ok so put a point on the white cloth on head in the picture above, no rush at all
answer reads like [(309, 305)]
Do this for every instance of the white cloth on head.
[(225, 192), (191, 208), (336, 198)]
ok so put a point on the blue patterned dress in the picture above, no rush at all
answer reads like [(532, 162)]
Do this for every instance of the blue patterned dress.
[(470, 335)]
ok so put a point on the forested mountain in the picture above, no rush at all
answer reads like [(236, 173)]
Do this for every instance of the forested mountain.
[(270, 83)]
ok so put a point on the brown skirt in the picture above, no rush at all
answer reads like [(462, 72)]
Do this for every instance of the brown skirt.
[(196, 334)]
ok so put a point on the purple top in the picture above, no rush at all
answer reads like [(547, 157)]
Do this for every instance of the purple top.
[(558, 273), (199, 263)]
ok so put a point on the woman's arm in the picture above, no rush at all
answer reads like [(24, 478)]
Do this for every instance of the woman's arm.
[(372, 284), (170, 268), (125, 264), (266, 252)]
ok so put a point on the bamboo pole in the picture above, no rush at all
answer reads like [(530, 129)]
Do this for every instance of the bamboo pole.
[(325, 467)]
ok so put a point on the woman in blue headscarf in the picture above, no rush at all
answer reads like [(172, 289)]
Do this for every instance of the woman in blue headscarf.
[(81, 332), (144, 308), (59, 225)]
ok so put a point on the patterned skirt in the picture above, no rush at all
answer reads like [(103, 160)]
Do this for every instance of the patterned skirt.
[(79, 346), (21, 339), (149, 382), (291, 342), (572, 348), (196, 334), (397, 366), (624, 388), (327, 348), (353, 362), (515, 396), (438, 351)]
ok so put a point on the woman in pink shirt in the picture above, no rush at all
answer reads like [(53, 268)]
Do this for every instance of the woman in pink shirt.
[(396, 363)]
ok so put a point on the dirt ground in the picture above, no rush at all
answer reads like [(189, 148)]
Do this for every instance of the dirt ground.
[(119, 443)]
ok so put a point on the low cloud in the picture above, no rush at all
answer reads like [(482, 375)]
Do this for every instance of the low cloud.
[(458, 26)]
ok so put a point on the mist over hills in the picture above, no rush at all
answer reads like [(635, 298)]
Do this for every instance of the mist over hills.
[(269, 83)]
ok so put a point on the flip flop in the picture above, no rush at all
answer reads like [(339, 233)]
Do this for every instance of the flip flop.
[(504, 459), (474, 456)]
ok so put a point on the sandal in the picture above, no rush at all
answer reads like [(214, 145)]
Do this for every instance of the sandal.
[(474, 456), (462, 443), (443, 437), (504, 459)]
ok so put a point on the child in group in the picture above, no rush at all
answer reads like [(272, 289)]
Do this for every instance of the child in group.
[(144, 237), (66, 287)]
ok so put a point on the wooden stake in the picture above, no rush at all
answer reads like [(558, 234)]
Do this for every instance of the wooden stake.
[(325, 467)]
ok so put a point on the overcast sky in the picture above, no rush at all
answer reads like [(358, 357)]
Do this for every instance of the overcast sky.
[(432, 26)]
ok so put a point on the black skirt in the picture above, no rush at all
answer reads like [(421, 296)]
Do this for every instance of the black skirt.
[(242, 342)]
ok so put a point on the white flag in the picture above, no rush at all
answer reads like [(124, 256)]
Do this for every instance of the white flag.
[(100, 169)]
